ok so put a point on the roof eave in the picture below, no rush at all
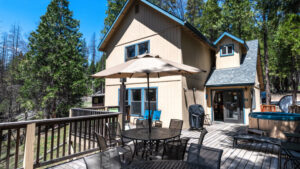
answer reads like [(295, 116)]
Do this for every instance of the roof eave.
[(232, 37), (227, 85)]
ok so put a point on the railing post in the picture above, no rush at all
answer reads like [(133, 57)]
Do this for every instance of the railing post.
[(29, 147), (70, 113)]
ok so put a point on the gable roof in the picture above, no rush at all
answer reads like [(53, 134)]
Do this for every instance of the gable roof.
[(238, 76), (180, 21), (232, 37)]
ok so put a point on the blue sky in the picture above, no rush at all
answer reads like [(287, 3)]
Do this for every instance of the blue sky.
[(26, 13)]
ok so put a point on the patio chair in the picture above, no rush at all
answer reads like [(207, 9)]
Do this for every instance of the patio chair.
[(176, 124), (142, 123), (205, 157), (175, 149), (124, 151), (114, 134), (201, 138)]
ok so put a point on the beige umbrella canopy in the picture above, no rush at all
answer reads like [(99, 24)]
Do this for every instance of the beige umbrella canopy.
[(140, 66), (147, 66)]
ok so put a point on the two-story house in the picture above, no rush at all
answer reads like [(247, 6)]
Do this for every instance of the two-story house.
[(228, 90)]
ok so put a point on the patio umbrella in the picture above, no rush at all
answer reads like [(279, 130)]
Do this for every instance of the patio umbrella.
[(146, 66)]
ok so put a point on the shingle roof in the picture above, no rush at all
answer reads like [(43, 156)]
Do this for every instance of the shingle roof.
[(243, 75)]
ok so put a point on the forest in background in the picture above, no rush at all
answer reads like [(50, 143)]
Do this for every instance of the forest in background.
[(50, 74)]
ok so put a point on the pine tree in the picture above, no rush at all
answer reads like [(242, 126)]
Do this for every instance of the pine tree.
[(112, 11), (287, 47), (194, 11), (238, 18), (210, 22), (53, 69), (267, 17), (92, 48)]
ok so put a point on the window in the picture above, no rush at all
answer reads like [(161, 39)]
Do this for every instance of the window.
[(130, 52), (136, 49), (143, 48), (227, 50)]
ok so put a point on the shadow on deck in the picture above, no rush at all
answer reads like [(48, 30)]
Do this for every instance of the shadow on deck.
[(245, 155)]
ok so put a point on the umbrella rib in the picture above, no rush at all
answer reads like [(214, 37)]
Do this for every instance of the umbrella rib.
[(131, 75)]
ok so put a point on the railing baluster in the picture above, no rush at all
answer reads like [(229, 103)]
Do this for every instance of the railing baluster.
[(64, 140), (94, 138), (0, 142), (38, 145), (90, 127), (57, 141), (52, 142), (80, 129), (8, 148), (75, 136), (17, 148), (70, 138), (101, 127), (85, 132), (45, 143), (98, 126)]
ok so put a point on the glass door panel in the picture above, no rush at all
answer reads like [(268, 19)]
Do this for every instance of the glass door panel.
[(152, 93), (233, 105), (136, 101)]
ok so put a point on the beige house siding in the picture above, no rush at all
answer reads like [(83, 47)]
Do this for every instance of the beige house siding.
[(163, 34), (194, 53), (228, 61), (165, 40)]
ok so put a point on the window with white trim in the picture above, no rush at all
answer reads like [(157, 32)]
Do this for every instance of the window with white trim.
[(227, 50)]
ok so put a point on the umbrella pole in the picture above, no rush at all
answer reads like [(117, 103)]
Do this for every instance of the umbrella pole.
[(149, 118)]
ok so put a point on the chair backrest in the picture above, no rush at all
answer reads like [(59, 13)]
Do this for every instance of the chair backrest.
[(101, 142), (175, 150), (176, 124), (142, 123), (114, 130), (156, 115), (205, 157), (202, 135), (146, 114)]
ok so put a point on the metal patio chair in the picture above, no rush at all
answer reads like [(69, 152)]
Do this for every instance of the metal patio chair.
[(205, 157), (175, 149), (114, 134)]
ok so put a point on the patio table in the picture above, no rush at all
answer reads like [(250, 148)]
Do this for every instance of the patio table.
[(166, 164), (142, 134)]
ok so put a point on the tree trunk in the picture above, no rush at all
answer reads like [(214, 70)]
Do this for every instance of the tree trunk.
[(266, 59), (295, 80)]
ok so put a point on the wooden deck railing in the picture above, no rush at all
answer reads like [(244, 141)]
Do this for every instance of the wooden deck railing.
[(51, 140)]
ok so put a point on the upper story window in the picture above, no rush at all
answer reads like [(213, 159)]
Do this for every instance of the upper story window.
[(227, 50), (136, 49)]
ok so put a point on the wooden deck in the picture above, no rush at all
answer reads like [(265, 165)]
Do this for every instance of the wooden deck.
[(245, 155)]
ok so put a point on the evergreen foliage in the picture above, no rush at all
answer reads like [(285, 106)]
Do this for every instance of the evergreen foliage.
[(54, 67)]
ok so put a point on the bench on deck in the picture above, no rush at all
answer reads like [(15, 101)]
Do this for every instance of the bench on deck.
[(256, 138)]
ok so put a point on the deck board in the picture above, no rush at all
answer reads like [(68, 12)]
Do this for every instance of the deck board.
[(245, 155)]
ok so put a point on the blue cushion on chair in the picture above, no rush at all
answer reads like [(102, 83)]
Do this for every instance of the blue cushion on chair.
[(146, 115), (156, 115)]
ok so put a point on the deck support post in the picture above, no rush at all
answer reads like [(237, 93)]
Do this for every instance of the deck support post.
[(28, 161)]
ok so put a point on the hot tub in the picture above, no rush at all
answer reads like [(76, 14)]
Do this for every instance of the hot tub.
[(275, 123)]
